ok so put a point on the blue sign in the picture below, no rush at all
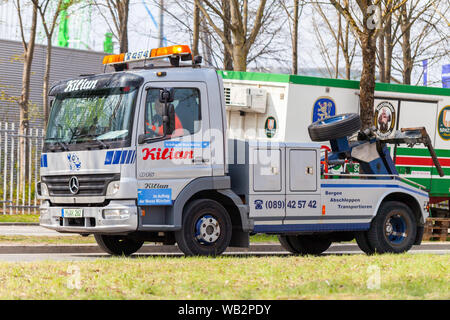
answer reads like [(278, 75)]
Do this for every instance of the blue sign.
[(446, 76), (186, 144), (323, 108), (425, 72), (154, 197)]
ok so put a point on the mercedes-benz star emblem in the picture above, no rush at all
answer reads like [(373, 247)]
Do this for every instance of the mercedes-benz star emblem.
[(74, 185)]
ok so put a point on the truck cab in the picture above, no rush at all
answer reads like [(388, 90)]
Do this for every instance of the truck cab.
[(142, 154)]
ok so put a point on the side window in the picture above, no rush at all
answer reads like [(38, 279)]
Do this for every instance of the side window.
[(187, 112)]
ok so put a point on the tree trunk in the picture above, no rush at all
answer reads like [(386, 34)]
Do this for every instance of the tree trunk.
[(46, 82), (196, 28), (122, 10), (367, 82), (24, 99), (348, 67), (381, 58), (295, 39), (406, 46), (227, 58), (239, 57), (389, 49)]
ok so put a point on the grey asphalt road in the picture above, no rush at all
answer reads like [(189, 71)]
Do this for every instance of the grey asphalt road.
[(335, 249), (90, 252), (28, 230)]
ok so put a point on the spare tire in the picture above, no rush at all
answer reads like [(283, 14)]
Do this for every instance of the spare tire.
[(335, 127)]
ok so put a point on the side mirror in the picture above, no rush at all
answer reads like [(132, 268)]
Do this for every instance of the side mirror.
[(166, 95), (142, 138), (169, 119)]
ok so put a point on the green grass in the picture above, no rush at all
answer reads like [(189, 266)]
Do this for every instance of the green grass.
[(406, 276), (19, 218)]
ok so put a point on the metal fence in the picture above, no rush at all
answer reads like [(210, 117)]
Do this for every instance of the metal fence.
[(19, 171)]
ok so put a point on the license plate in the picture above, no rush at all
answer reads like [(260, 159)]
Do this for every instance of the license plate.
[(72, 213)]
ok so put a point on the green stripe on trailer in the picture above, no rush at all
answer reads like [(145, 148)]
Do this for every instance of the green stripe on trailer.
[(328, 82), (408, 170), (421, 152), (254, 76)]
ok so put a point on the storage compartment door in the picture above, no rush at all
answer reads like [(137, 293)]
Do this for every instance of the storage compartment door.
[(267, 170), (303, 170)]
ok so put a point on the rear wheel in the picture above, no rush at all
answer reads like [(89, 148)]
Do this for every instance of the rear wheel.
[(394, 228), (284, 241), (363, 242), (118, 245), (305, 244), (206, 229)]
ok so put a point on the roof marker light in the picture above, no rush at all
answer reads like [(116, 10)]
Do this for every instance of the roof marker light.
[(176, 50)]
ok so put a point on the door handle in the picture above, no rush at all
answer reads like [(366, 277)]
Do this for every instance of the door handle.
[(198, 160)]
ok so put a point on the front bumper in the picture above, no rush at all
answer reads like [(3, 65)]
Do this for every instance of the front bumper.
[(92, 221)]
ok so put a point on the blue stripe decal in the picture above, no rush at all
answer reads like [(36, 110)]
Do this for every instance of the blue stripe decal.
[(44, 161), (311, 227), (124, 156), (130, 153), (116, 158), (109, 157), (372, 186)]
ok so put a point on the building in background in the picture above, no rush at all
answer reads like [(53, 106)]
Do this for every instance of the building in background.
[(66, 63)]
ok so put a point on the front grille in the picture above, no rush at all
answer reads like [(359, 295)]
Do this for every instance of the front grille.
[(89, 184)]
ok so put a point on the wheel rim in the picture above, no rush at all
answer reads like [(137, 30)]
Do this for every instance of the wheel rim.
[(396, 229), (207, 230), (333, 119)]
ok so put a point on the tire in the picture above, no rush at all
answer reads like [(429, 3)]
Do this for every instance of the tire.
[(118, 245), (335, 127), (206, 229), (363, 242), (284, 241), (394, 228), (310, 244)]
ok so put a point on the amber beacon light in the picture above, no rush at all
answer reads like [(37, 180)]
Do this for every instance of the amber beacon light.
[(176, 50)]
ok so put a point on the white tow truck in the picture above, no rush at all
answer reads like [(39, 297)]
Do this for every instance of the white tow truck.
[(141, 154)]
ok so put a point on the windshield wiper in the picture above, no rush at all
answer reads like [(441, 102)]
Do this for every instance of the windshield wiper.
[(63, 146), (93, 136)]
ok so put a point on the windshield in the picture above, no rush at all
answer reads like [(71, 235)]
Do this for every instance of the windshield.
[(91, 116)]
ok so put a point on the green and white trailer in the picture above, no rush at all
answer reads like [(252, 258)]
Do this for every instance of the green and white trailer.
[(280, 107)]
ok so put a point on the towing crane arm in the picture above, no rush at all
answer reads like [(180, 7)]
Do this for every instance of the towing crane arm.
[(412, 136)]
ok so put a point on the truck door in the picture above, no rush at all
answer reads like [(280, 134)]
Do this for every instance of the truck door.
[(302, 185), (166, 163)]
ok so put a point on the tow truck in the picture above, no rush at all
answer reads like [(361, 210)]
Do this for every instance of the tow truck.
[(141, 154)]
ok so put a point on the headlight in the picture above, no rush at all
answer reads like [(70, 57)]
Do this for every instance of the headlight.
[(113, 188), (44, 190), (116, 214)]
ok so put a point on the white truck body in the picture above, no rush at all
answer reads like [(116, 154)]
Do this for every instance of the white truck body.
[(132, 185)]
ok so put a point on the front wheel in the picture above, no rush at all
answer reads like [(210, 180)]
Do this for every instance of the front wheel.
[(305, 244), (206, 229), (394, 228), (118, 245)]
